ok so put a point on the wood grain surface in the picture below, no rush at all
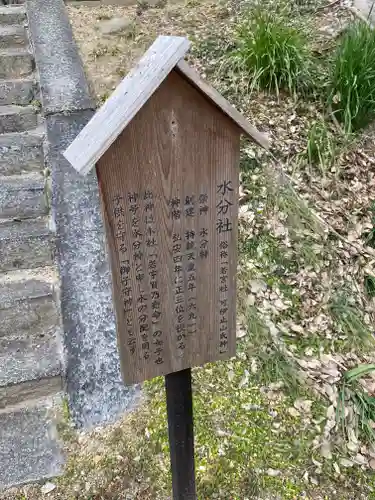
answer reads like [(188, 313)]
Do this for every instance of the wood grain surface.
[(125, 102), (169, 190), (217, 99)]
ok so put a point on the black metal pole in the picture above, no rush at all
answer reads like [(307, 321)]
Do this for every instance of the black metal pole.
[(181, 434)]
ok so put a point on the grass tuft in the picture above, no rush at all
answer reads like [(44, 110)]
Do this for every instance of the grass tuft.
[(321, 147), (349, 319), (274, 55), (352, 85), (356, 408)]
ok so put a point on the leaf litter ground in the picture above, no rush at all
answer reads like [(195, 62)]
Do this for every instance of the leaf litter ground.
[(270, 423)]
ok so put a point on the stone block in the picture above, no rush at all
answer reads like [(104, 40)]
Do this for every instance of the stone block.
[(12, 14), (25, 245), (19, 92), (29, 448), (26, 304), (21, 152), (12, 36), (30, 390), (15, 63), (31, 357), (22, 196), (17, 118)]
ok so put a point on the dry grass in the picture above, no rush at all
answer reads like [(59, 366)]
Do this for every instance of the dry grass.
[(107, 58)]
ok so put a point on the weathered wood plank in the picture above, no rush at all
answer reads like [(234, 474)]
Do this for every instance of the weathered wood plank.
[(128, 98), (212, 94), (169, 190)]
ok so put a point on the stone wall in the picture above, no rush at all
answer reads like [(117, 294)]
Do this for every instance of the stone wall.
[(57, 327)]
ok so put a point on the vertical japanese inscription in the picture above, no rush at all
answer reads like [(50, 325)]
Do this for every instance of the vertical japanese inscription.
[(141, 304), (224, 226), (152, 270), (125, 280)]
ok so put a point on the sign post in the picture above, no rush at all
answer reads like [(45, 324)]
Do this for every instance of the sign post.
[(166, 149), (181, 433)]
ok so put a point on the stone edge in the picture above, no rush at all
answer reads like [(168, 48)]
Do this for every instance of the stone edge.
[(63, 85), (67, 106)]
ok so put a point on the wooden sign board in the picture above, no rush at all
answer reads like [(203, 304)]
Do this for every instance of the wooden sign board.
[(169, 186), (168, 182)]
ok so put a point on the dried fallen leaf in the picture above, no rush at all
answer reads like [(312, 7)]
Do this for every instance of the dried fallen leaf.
[(47, 488)]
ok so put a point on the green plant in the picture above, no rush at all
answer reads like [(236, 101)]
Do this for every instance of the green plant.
[(321, 147), (370, 236), (370, 285), (273, 365), (274, 55), (349, 318), (352, 80), (353, 395)]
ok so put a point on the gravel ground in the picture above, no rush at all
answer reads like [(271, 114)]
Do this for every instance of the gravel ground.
[(108, 57)]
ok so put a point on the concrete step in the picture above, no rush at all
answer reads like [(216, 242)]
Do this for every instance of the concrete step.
[(33, 352), (15, 63), (17, 118), (19, 92), (13, 14), (27, 303), (29, 448), (12, 36), (22, 196), (32, 389), (25, 245), (21, 152), (29, 358)]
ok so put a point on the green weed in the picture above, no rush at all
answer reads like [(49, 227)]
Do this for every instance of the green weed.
[(273, 365), (349, 319), (352, 395), (370, 285), (352, 81), (370, 237), (321, 147), (274, 56)]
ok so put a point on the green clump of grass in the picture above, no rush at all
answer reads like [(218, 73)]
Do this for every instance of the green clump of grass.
[(352, 81), (370, 285), (370, 236), (274, 55), (321, 147), (349, 318), (354, 396)]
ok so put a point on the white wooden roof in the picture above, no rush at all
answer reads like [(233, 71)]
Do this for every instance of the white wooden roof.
[(105, 126)]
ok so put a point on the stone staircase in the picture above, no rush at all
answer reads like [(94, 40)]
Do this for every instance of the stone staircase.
[(30, 349)]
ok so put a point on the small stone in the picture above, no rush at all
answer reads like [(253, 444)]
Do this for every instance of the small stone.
[(325, 450), (293, 412), (279, 304), (116, 25), (360, 459), (250, 300), (353, 447), (303, 405), (346, 463), (273, 472), (372, 463), (240, 332), (331, 412), (257, 286), (47, 488)]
